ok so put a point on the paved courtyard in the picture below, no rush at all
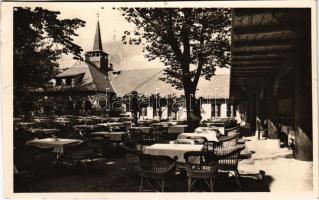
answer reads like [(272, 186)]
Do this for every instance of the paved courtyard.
[(282, 173)]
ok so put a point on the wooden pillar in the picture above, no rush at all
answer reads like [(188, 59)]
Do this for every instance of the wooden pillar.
[(273, 132), (302, 115), (252, 113)]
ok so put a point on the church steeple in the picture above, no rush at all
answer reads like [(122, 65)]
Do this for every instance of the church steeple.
[(97, 56), (97, 45)]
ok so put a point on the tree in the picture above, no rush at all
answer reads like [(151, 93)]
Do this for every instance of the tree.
[(40, 38), (191, 42)]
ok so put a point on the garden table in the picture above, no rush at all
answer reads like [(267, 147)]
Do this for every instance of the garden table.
[(86, 127), (113, 136), (108, 124), (171, 150), (211, 136), (116, 137), (61, 122), (46, 131), (57, 144)]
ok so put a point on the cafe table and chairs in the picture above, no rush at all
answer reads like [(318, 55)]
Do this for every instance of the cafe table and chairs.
[(24, 125), (171, 150), (86, 127), (177, 129), (58, 145), (211, 136), (120, 126), (113, 136), (144, 129)]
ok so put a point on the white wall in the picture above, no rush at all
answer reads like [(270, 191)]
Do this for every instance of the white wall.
[(223, 110), (206, 111), (149, 112), (164, 113)]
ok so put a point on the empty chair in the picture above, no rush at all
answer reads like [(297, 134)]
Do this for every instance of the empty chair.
[(98, 144), (81, 154), (227, 141), (132, 153), (229, 157), (135, 134), (157, 168), (198, 139), (201, 166), (231, 131)]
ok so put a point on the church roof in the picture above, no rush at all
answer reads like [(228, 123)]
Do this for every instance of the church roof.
[(97, 45), (146, 81), (93, 79)]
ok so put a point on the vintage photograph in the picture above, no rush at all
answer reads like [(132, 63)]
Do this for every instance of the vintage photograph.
[(162, 99)]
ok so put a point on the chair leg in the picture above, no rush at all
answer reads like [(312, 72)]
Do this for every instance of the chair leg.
[(211, 185), (141, 185), (163, 184), (237, 177), (84, 167), (189, 183)]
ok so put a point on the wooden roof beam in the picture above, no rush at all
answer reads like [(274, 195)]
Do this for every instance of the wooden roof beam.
[(292, 27), (277, 42), (265, 62), (251, 52), (239, 59), (252, 11), (260, 56)]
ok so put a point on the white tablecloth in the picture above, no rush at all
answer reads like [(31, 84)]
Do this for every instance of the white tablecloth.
[(111, 124), (57, 145), (47, 131), (113, 136), (211, 136), (219, 128), (171, 150)]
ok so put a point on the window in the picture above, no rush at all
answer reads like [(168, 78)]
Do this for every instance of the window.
[(58, 81), (215, 110), (234, 110), (229, 110), (68, 81), (144, 112)]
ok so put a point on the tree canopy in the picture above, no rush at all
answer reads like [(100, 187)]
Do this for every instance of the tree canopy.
[(40, 38), (191, 42)]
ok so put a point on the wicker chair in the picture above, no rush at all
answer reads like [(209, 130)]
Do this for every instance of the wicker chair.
[(98, 144), (198, 139), (231, 131), (157, 168), (201, 166), (228, 161), (228, 141), (133, 151), (147, 139), (81, 154)]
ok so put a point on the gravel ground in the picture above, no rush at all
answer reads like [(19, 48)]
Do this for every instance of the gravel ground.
[(109, 175)]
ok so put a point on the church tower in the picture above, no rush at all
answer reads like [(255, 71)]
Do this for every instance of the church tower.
[(97, 56)]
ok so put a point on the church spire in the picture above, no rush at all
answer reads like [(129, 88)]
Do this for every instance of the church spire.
[(97, 45)]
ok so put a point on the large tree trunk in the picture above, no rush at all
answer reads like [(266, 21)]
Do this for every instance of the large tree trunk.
[(192, 109)]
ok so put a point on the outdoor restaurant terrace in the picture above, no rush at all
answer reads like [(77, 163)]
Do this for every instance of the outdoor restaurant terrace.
[(245, 142)]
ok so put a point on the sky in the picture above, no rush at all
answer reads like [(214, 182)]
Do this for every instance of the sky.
[(112, 26)]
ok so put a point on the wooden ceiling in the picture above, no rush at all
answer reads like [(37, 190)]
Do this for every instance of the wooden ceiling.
[(262, 39)]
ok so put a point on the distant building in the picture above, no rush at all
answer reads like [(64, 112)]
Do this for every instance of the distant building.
[(96, 75)]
